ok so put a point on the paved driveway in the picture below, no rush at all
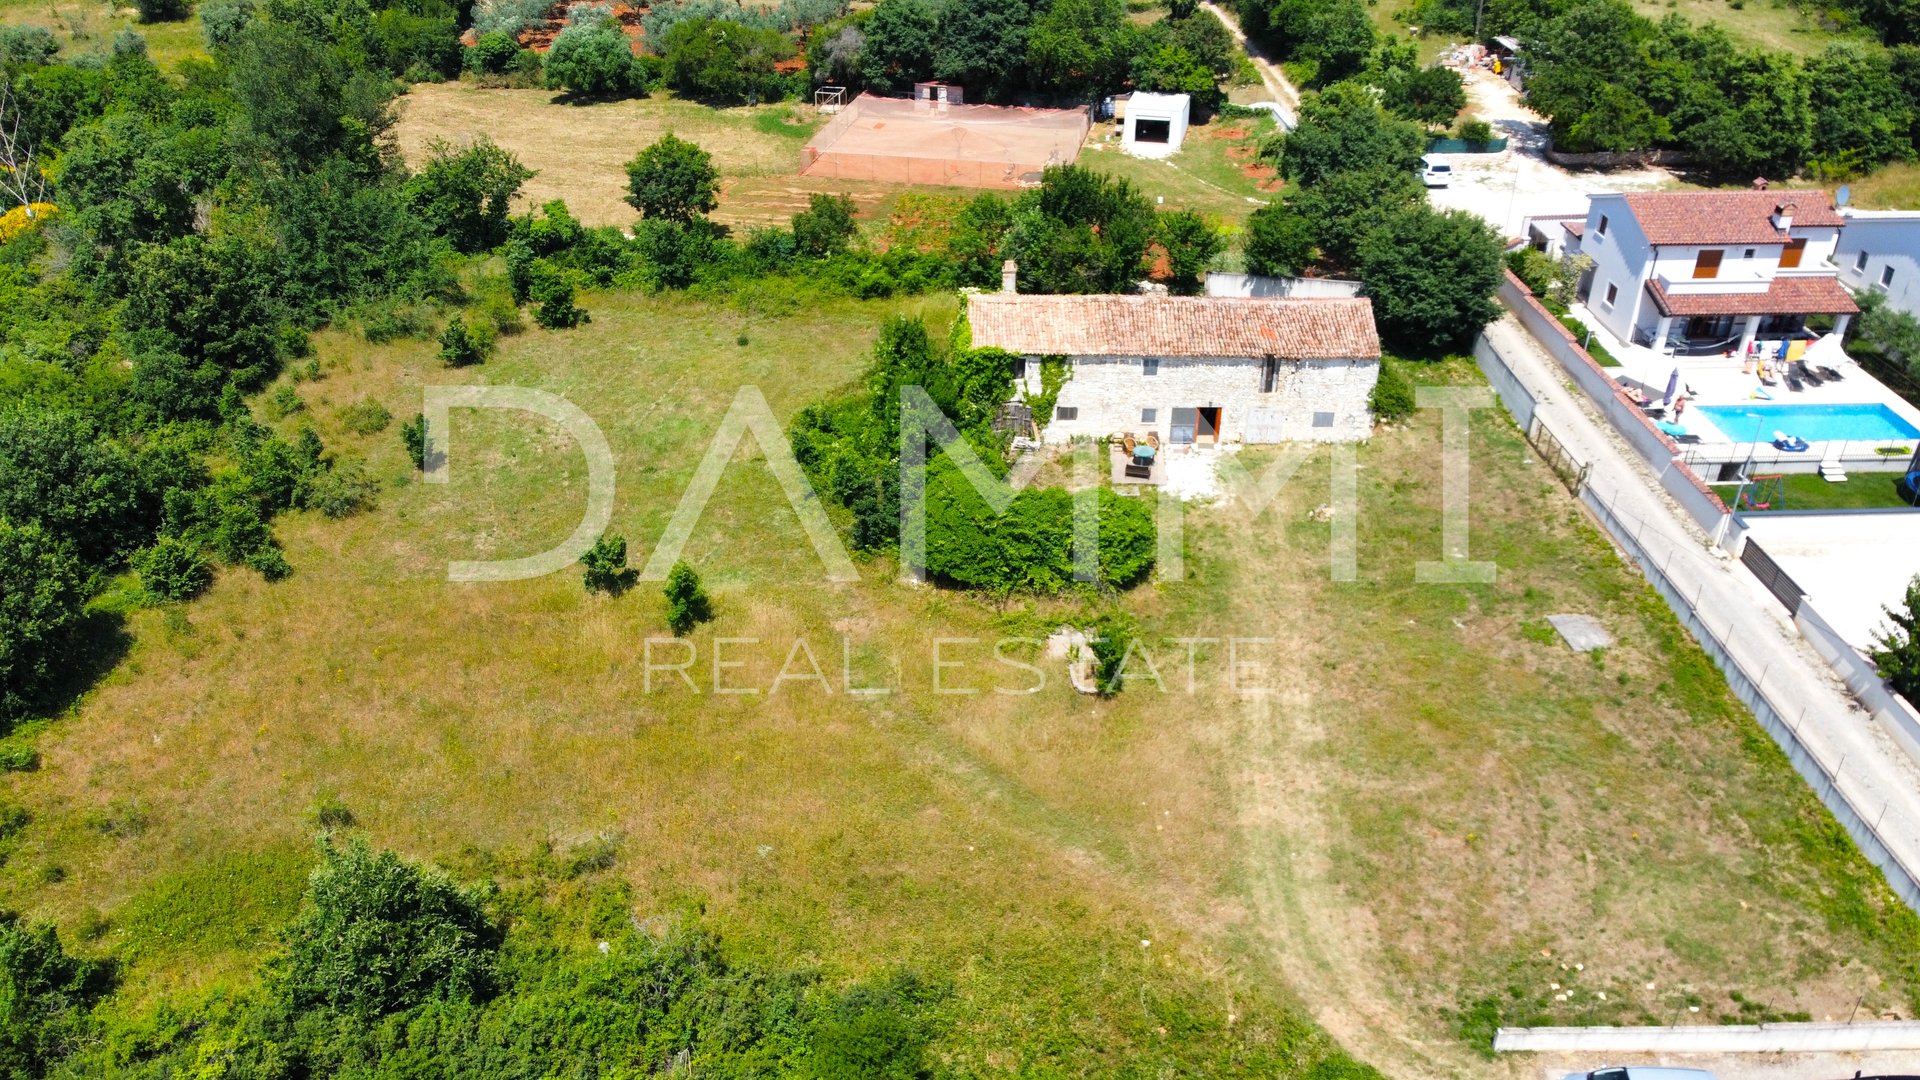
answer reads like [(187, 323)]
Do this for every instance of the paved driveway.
[(1519, 182)]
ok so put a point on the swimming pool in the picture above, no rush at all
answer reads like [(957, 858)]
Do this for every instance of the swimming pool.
[(1814, 423)]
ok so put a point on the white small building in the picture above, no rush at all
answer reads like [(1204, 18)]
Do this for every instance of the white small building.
[(1196, 370), (1155, 124), (1880, 252)]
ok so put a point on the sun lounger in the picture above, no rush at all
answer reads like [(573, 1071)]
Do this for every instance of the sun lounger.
[(1793, 382), (1830, 374), (1807, 373)]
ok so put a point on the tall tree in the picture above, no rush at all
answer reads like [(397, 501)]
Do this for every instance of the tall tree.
[(982, 45), (1432, 277), (673, 179), (898, 46), (1861, 117), (1344, 129)]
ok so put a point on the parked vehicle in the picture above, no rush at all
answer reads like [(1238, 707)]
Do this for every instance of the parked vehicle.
[(1434, 172), (1641, 1072)]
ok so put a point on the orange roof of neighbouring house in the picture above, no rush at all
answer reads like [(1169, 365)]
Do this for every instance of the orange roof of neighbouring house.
[(1327, 328), (1726, 217), (1815, 295)]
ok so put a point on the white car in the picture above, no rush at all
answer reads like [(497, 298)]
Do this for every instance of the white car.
[(1434, 172), (1642, 1073)]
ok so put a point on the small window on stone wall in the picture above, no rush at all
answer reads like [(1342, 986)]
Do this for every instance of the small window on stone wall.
[(1149, 365), (1148, 416), (1066, 412), (1323, 419)]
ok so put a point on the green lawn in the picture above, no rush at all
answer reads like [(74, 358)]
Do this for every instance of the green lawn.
[(1807, 491), (1214, 171), (1429, 809), (91, 27)]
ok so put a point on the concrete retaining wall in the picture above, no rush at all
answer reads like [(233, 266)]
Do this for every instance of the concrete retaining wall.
[(1513, 395), (1659, 452), (1869, 1035), (1894, 712)]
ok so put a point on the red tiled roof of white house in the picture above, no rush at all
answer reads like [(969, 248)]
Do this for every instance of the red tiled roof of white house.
[(1321, 328), (1728, 217), (1814, 295)]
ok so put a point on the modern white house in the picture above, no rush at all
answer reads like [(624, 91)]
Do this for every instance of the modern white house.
[(1710, 272), (1879, 252), (1155, 124), (1195, 370)]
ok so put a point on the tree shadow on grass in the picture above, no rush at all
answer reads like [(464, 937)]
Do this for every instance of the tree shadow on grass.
[(94, 648)]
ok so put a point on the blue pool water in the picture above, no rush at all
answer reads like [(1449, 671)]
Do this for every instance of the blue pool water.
[(1814, 423)]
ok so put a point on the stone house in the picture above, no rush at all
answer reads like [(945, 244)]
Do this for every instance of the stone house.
[(1197, 370)]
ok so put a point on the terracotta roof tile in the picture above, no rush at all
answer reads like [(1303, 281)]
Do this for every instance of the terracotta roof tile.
[(1325, 328), (1725, 217), (1814, 295)]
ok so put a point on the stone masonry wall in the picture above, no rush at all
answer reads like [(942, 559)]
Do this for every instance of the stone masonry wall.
[(1111, 391)]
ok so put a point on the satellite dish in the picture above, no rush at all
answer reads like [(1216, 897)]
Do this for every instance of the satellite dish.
[(1844, 195)]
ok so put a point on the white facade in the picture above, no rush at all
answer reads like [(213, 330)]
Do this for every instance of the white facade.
[(1626, 262), (1155, 124), (1880, 252), (1244, 399)]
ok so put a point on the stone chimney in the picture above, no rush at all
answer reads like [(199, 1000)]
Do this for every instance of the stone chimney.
[(1783, 216), (1009, 277)]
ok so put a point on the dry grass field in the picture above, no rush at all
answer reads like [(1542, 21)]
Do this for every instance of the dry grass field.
[(90, 26), (1423, 811), (580, 152)]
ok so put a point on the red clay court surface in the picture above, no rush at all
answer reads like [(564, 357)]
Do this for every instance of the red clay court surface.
[(919, 142)]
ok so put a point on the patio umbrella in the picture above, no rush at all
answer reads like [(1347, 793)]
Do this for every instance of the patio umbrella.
[(1673, 385)]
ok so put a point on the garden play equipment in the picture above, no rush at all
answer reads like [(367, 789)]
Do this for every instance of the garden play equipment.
[(898, 141), (1764, 493)]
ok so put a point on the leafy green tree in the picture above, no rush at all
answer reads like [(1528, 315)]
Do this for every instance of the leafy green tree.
[(1432, 277), (1344, 129), (1860, 115), (605, 565), (222, 20), (1430, 95), (1205, 38), (982, 45), (465, 194), (173, 569), (1171, 69), (1590, 66), (58, 472), (724, 62), (898, 44), (1344, 207), (376, 935), (824, 227), (45, 996), (492, 53), (300, 99), (1080, 231), (1191, 246), (1279, 241), (672, 179), (1896, 650), (593, 58), (42, 588), (1077, 46), (1735, 113), (687, 603), (209, 300)]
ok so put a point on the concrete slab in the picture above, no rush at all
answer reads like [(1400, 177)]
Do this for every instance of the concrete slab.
[(1583, 633), (1849, 564)]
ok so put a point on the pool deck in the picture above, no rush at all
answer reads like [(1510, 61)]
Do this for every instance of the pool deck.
[(1720, 381)]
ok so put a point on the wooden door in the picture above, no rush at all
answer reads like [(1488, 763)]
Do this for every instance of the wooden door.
[(1707, 263), (1790, 255)]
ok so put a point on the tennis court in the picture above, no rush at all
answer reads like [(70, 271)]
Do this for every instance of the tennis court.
[(929, 142)]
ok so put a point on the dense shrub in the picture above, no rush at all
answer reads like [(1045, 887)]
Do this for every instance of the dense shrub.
[(365, 417), (376, 935), (464, 194), (723, 62), (48, 994), (1896, 650), (687, 603), (173, 569), (341, 490), (42, 589), (606, 566), (592, 57), (413, 435), (824, 227), (1392, 397), (458, 348)]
